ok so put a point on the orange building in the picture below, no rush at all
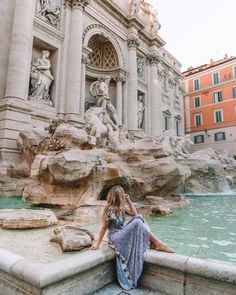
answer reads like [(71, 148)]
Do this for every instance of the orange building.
[(210, 104)]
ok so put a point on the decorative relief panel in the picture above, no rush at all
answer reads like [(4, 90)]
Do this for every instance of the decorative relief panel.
[(49, 11), (141, 67)]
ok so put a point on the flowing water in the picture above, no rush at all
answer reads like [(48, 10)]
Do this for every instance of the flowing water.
[(205, 229)]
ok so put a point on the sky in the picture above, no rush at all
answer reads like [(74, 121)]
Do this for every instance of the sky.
[(196, 31)]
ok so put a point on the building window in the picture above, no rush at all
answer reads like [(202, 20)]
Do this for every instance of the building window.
[(217, 96), (177, 125), (235, 72), (219, 136), (166, 123), (216, 79), (197, 101), (198, 120), (196, 84), (234, 92), (165, 82), (199, 139), (218, 116)]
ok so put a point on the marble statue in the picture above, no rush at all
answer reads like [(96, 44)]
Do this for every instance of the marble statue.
[(135, 6), (183, 145), (226, 158), (96, 125), (141, 109), (100, 89), (41, 78), (49, 12), (155, 25), (178, 146)]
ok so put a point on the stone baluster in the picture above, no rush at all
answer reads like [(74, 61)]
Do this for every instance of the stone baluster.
[(119, 96), (155, 96), (132, 102), (20, 50), (73, 93)]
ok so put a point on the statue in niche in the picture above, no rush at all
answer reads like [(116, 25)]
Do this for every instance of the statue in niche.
[(50, 12), (100, 89), (41, 78), (141, 109), (135, 6)]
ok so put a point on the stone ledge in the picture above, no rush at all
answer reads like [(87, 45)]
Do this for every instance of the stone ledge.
[(172, 271), (41, 275), (194, 266)]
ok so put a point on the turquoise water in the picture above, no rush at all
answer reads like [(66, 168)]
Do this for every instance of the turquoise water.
[(205, 229), (13, 203)]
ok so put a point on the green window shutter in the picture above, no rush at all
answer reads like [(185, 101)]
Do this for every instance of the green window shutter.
[(216, 78), (234, 92)]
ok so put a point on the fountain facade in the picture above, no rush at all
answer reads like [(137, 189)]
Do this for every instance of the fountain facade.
[(48, 70)]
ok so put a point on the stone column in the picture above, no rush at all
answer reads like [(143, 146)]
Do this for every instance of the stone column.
[(20, 50), (83, 84), (64, 59), (132, 100), (119, 96), (73, 93), (155, 96)]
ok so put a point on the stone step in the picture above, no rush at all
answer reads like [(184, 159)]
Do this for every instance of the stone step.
[(115, 289)]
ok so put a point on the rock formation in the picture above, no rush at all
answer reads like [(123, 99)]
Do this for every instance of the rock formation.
[(26, 218), (72, 238)]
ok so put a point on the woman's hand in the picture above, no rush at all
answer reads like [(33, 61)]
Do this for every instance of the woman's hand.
[(95, 246), (131, 211), (127, 198)]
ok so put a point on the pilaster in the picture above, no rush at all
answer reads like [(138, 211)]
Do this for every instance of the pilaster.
[(73, 93), (132, 103)]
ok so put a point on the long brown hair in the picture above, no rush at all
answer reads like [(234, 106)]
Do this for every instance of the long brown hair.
[(115, 200)]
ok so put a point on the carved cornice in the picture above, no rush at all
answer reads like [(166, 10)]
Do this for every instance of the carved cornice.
[(152, 59), (73, 4), (133, 42)]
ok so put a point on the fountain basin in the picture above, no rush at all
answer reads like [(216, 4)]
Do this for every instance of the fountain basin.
[(91, 270)]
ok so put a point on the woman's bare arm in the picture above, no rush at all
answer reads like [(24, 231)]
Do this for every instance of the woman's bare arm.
[(131, 210), (101, 234)]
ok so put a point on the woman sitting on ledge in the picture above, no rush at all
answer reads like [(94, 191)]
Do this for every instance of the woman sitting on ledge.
[(130, 241)]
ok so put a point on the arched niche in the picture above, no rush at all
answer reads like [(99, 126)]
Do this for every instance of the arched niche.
[(105, 33)]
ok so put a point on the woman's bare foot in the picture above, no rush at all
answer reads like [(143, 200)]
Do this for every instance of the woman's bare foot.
[(161, 247)]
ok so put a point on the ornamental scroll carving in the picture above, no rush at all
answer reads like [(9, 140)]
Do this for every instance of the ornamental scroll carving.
[(49, 11)]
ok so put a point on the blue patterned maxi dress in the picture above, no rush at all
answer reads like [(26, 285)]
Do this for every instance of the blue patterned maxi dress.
[(130, 242)]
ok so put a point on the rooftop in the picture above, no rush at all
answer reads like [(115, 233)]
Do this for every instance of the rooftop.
[(191, 71)]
